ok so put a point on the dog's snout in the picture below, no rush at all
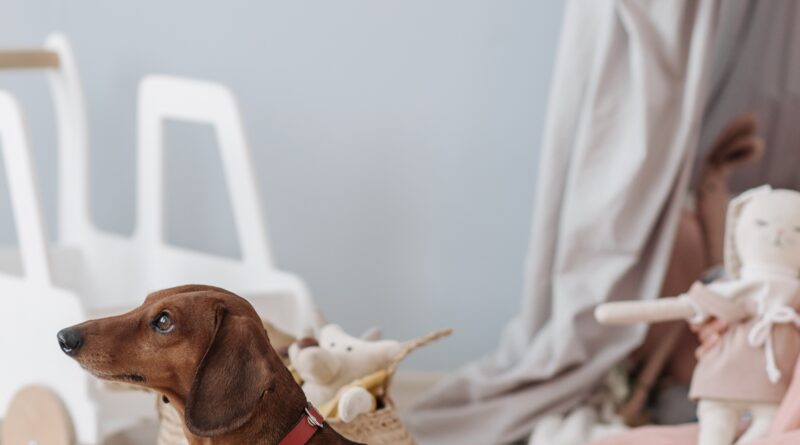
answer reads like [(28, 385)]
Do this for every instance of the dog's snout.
[(70, 340), (307, 342)]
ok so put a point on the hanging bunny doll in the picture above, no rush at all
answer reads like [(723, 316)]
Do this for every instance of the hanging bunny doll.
[(750, 368)]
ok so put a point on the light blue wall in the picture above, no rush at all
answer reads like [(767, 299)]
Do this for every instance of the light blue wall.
[(395, 142)]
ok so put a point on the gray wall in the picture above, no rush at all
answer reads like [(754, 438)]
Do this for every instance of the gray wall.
[(395, 142)]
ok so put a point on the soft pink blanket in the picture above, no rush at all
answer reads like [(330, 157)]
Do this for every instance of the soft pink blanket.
[(785, 431)]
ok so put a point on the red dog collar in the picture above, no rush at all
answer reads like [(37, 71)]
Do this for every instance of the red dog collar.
[(309, 424)]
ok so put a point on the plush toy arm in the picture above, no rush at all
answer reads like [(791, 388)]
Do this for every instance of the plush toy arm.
[(354, 402), (662, 309)]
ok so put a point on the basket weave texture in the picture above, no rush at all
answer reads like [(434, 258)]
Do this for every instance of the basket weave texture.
[(171, 430), (380, 427)]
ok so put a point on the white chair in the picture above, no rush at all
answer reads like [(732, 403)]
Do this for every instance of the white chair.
[(47, 286)]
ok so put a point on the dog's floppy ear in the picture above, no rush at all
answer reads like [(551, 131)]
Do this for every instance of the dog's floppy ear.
[(231, 378)]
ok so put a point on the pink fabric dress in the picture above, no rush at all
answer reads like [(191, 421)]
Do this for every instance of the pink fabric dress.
[(737, 369), (745, 375)]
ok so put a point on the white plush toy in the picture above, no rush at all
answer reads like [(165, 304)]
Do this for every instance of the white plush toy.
[(337, 359), (750, 368)]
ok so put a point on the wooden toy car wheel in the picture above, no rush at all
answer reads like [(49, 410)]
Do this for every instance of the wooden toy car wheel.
[(36, 416)]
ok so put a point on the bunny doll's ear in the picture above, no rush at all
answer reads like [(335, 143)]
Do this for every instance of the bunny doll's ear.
[(372, 334), (733, 262)]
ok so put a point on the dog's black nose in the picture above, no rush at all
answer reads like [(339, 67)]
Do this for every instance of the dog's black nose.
[(70, 340)]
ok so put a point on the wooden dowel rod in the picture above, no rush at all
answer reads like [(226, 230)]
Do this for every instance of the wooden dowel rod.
[(28, 59)]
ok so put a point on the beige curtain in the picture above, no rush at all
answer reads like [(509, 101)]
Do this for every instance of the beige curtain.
[(628, 94)]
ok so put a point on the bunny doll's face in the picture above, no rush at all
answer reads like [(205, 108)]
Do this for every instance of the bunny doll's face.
[(768, 231)]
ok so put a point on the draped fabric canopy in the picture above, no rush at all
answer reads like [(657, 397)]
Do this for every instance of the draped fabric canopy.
[(631, 83)]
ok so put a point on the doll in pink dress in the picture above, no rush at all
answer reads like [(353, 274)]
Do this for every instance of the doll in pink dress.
[(750, 370)]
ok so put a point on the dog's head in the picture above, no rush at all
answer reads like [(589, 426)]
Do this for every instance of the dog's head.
[(202, 347)]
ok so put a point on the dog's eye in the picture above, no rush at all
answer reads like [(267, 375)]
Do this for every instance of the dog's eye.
[(349, 349), (163, 323), (761, 223)]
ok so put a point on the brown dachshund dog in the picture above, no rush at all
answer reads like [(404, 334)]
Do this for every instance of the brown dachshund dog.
[(206, 351)]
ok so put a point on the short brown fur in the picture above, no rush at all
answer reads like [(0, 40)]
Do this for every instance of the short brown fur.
[(216, 366)]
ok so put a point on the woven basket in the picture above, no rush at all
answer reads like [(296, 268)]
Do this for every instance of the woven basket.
[(383, 426), (380, 427), (171, 430)]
